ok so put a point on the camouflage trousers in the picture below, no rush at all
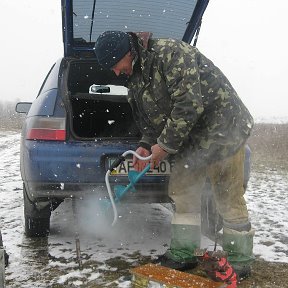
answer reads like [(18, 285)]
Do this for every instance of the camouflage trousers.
[(226, 178)]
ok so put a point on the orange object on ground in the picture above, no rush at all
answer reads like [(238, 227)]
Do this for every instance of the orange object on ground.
[(149, 274)]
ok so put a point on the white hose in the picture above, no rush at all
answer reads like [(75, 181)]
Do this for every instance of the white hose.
[(109, 187)]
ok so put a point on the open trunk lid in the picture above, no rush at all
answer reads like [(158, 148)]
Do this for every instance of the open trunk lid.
[(84, 20)]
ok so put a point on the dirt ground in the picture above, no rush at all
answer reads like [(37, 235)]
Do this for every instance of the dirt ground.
[(264, 274)]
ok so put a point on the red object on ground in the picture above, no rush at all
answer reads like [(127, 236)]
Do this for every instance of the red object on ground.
[(218, 268)]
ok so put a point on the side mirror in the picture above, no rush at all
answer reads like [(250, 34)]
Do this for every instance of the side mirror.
[(23, 107)]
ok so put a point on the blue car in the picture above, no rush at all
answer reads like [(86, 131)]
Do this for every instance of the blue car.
[(80, 121)]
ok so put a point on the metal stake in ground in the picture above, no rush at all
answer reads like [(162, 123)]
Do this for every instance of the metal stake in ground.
[(76, 227)]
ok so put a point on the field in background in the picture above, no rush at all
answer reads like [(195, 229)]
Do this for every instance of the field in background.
[(269, 144)]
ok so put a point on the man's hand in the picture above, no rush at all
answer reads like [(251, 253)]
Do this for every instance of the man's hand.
[(138, 164), (158, 154)]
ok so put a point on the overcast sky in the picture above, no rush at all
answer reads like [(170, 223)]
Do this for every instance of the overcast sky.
[(246, 39)]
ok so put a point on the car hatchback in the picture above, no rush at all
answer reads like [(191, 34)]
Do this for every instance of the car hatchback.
[(81, 120)]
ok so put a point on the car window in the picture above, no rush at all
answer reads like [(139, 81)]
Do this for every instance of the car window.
[(45, 85), (164, 17)]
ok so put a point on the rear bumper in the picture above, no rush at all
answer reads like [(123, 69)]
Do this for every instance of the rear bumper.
[(54, 169), (63, 162), (73, 162)]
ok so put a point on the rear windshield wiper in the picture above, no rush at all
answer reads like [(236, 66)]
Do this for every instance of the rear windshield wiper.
[(92, 20)]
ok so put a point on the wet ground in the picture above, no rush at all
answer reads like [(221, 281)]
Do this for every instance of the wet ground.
[(141, 233)]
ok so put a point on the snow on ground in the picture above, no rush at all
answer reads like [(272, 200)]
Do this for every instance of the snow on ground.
[(267, 201), (142, 230)]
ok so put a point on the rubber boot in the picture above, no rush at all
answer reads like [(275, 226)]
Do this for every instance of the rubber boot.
[(239, 246), (184, 240)]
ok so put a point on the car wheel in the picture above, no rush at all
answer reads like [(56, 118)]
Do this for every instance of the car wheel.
[(36, 227), (37, 222)]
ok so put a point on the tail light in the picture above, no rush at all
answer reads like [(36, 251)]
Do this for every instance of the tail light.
[(46, 128)]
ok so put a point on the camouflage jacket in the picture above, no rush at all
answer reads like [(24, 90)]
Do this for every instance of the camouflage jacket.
[(183, 102)]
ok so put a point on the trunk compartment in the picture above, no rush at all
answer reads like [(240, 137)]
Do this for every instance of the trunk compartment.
[(98, 115)]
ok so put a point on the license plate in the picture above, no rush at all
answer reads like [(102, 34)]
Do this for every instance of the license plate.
[(125, 167)]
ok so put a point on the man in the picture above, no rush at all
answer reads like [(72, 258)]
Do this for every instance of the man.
[(186, 107)]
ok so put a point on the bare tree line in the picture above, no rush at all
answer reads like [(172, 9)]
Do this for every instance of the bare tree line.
[(9, 118)]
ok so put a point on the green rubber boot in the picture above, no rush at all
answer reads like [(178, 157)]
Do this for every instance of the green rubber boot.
[(239, 246), (184, 240)]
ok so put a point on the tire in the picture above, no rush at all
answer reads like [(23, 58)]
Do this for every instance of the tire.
[(37, 222), (36, 227)]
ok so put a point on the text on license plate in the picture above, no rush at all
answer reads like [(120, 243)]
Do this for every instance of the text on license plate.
[(164, 168)]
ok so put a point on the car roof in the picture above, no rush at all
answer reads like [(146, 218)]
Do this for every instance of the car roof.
[(84, 20)]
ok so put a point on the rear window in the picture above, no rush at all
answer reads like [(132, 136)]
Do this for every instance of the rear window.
[(165, 18)]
